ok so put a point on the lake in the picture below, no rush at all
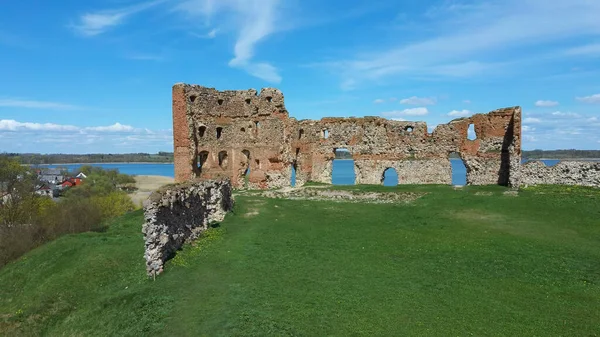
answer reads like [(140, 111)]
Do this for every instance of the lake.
[(343, 170)]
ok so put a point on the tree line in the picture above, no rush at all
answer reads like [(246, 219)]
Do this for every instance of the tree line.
[(61, 158), (28, 220)]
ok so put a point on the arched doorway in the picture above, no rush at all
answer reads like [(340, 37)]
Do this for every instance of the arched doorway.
[(389, 177)]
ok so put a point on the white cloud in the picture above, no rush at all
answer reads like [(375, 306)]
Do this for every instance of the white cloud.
[(542, 103), (379, 101), (254, 21), (590, 99), (212, 34), (92, 24), (467, 101), (532, 120), (418, 101), (467, 40), (592, 119), (398, 119), (406, 112), (530, 138), (527, 128), (393, 99), (460, 113), (31, 104), (565, 114), (13, 125), (117, 127)]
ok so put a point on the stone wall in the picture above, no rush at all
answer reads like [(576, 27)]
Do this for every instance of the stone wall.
[(582, 173), (179, 213), (249, 138)]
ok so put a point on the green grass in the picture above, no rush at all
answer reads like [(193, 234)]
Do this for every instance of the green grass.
[(455, 262)]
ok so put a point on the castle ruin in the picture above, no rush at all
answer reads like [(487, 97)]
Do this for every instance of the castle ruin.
[(249, 138)]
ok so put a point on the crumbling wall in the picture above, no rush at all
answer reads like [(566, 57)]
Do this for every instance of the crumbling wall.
[(582, 173), (250, 139), (179, 213)]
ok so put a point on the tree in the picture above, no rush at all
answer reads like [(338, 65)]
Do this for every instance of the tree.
[(17, 187)]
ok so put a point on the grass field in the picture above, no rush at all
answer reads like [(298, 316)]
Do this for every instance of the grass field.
[(474, 261)]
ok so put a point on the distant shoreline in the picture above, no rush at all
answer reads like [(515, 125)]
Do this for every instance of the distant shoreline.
[(111, 163)]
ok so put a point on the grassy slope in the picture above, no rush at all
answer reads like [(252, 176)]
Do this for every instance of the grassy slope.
[(452, 263)]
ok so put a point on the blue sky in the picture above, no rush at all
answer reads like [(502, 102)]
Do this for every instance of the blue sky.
[(96, 76)]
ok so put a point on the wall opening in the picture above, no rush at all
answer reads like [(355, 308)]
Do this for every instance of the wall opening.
[(293, 175), (220, 101), (269, 99), (246, 163), (471, 135), (389, 177), (201, 131), (201, 160), (242, 129), (256, 126), (192, 98), (342, 172), (257, 163), (325, 133), (409, 129), (301, 134), (223, 160), (458, 169), (248, 100), (297, 152), (219, 132)]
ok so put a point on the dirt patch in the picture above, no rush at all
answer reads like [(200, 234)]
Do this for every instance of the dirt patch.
[(251, 213), (146, 185), (310, 193), (486, 194)]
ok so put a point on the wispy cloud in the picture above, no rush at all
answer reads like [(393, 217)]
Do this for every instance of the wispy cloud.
[(212, 34), (532, 120), (117, 127), (565, 114), (13, 125), (33, 104), (414, 100), (460, 113), (585, 50), (254, 20), (590, 99), (477, 39), (92, 24), (542, 103), (406, 112), (378, 101)]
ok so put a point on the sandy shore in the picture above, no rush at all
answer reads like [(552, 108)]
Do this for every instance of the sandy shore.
[(146, 185)]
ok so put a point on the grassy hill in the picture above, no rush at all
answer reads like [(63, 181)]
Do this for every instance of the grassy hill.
[(476, 261)]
